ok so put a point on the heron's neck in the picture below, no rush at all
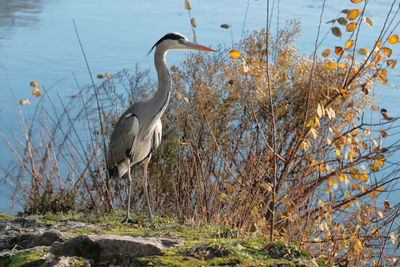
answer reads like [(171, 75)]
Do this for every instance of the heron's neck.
[(159, 101)]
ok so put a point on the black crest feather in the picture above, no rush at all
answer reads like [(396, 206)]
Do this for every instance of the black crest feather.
[(168, 36)]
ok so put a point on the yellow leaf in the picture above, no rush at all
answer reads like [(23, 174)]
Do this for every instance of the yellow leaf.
[(394, 39), (25, 102), (330, 65), (331, 181), (339, 50), (338, 154), (34, 84), (304, 146), (363, 51), (383, 79), (36, 92), (145, 95), (368, 21), (193, 22), (353, 14), (178, 97), (356, 186), (356, 1), (187, 5), (344, 92), (326, 52), (234, 54), (386, 51), (351, 26), (327, 190), (342, 65), (358, 205), (355, 70), (316, 122), (108, 75), (348, 44), (373, 194), (186, 99), (380, 189)]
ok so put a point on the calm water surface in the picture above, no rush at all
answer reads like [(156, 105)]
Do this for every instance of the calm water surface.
[(38, 42)]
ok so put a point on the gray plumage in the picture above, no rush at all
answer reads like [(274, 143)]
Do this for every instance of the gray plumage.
[(138, 131)]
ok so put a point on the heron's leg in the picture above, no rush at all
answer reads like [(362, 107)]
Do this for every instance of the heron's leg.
[(128, 217), (146, 192)]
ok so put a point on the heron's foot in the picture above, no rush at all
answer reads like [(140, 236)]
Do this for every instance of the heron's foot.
[(128, 219)]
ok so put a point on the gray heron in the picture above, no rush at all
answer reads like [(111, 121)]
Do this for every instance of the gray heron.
[(138, 131)]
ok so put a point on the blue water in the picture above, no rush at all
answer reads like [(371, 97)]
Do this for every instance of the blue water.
[(38, 42)]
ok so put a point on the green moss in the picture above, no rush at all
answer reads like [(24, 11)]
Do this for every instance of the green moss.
[(4, 217), (26, 258)]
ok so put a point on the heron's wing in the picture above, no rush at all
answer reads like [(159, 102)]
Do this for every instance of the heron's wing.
[(157, 135), (122, 139)]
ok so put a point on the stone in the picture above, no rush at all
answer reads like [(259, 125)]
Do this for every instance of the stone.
[(112, 248)]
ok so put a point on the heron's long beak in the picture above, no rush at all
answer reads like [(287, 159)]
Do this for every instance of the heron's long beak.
[(191, 45)]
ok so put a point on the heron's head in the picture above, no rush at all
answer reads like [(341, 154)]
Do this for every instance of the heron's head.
[(176, 41)]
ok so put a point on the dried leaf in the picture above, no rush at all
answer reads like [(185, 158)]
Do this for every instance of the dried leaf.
[(386, 115), (225, 26), (342, 21), (356, 186), (326, 52), (339, 50), (320, 111), (363, 51), (394, 39), (234, 54), (313, 133), (186, 99), (384, 134), (100, 76), (368, 21), (356, 1), (336, 31), (193, 22), (187, 5), (391, 63), (351, 26), (374, 108), (353, 14), (387, 51), (348, 44), (174, 68), (393, 238), (386, 204)]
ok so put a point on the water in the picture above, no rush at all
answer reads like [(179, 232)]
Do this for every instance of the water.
[(38, 41)]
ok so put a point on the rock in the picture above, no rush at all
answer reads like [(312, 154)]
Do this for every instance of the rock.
[(63, 261), (5, 255), (112, 248)]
